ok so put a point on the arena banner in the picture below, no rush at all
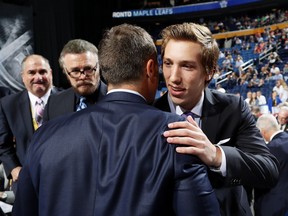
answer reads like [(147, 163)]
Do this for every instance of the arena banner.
[(213, 5), (16, 42)]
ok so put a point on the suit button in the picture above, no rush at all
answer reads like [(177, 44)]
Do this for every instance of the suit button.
[(236, 181)]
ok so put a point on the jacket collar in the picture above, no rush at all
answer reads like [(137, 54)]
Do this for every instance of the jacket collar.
[(124, 96)]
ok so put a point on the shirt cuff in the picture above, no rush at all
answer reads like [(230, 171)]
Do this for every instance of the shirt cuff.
[(222, 169)]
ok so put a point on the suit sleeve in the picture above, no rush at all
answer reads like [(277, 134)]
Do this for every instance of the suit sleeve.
[(249, 161), (7, 150), (26, 201), (193, 193)]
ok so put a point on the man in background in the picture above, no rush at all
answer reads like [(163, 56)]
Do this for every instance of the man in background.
[(282, 118), (273, 201), (111, 158), (79, 61), (21, 113)]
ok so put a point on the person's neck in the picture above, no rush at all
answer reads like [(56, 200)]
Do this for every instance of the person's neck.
[(273, 133), (130, 87)]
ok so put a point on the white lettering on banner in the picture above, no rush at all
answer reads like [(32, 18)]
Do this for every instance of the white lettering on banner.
[(122, 14), (153, 12), (142, 13), (166, 11)]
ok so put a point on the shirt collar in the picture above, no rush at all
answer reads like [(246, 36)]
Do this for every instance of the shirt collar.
[(178, 110), (273, 135), (126, 90), (33, 98)]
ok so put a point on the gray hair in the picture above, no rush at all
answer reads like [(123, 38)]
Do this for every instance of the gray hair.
[(77, 46), (267, 122), (32, 55)]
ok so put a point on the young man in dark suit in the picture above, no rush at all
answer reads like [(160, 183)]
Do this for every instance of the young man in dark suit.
[(18, 113), (79, 62), (273, 201), (111, 158), (223, 134)]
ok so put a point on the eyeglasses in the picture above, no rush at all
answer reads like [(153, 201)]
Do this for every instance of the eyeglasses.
[(87, 71)]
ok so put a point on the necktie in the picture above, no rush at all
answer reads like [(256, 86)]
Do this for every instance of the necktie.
[(39, 111), (188, 113), (82, 104)]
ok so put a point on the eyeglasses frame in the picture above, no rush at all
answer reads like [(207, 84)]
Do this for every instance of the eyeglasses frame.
[(82, 71)]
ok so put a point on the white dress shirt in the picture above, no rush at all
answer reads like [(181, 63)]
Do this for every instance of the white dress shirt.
[(198, 111)]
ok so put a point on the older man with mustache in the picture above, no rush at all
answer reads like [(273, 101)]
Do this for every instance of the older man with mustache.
[(79, 61)]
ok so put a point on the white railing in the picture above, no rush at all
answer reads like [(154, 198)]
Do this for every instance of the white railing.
[(246, 65), (265, 54), (221, 76)]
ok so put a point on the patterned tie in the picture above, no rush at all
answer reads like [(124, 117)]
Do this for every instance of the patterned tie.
[(39, 111), (82, 104)]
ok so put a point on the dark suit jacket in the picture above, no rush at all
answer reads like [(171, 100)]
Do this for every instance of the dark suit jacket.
[(274, 202), (227, 116), (111, 159), (286, 128), (65, 102), (15, 124), (4, 91)]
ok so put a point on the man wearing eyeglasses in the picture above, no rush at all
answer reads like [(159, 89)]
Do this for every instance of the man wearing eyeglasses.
[(79, 61)]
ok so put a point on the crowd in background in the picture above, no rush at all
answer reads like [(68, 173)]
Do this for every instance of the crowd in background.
[(244, 22), (263, 85)]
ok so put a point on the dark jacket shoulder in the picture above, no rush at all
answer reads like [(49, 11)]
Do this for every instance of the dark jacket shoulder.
[(4, 91)]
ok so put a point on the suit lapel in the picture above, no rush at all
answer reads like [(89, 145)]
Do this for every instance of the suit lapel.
[(24, 109), (102, 90), (210, 115), (70, 100), (54, 90), (64, 103)]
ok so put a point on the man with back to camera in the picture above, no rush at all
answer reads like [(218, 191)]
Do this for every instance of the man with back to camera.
[(111, 158), (18, 116), (79, 62), (273, 201), (224, 135)]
